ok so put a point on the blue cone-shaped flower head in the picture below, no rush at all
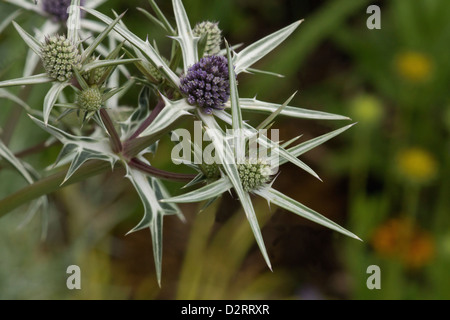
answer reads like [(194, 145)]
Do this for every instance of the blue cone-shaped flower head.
[(206, 83), (58, 8)]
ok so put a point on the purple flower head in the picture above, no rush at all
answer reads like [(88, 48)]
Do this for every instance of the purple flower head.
[(58, 8), (206, 83)]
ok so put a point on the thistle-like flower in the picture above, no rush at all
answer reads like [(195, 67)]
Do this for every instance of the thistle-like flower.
[(155, 73), (94, 76), (211, 171), (58, 9), (59, 56), (254, 174), (90, 100), (206, 83), (213, 36)]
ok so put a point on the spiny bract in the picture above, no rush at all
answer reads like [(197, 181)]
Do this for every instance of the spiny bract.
[(94, 76)]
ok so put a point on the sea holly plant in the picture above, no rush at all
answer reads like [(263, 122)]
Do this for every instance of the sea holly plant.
[(197, 81)]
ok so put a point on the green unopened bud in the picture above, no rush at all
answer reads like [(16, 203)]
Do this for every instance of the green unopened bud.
[(94, 76), (90, 100), (155, 72), (59, 56), (254, 174), (213, 34), (211, 171)]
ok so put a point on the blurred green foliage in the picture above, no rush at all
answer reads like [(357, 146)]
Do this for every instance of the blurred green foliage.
[(390, 173)]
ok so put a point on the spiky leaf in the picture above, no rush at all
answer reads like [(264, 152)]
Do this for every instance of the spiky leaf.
[(282, 200)]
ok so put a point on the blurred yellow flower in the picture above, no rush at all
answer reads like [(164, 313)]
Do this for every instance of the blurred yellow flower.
[(417, 165), (366, 109), (399, 238), (413, 66)]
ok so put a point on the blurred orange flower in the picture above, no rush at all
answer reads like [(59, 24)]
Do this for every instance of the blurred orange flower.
[(413, 66), (399, 238)]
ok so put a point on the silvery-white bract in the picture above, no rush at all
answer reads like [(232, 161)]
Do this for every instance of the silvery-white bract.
[(181, 86)]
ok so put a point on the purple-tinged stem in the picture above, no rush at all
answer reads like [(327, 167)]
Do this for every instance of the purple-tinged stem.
[(159, 106), (113, 135), (158, 173)]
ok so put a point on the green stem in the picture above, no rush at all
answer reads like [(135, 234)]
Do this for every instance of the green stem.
[(10, 125), (50, 184), (359, 170), (89, 169), (14, 117), (32, 150), (411, 204), (441, 218), (131, 148), (35, 149)]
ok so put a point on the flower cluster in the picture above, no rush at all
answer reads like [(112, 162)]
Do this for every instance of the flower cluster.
[(94, 76), (206, 83), (59, 56), (254, 174), (58, 8), (90, 100), (155, 73), (211, 171), (213, 36)]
